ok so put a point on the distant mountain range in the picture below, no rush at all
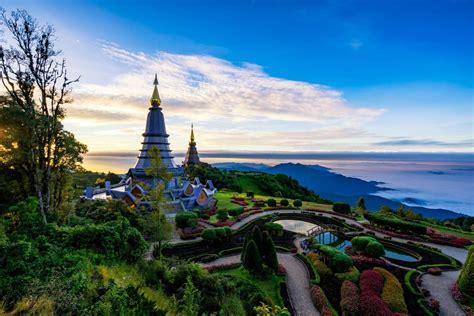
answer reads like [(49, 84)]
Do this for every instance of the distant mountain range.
[(336, 187)]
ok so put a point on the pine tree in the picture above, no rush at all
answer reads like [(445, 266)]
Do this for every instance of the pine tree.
[(252, 259), (361, 204), (244, 246), (269, 253), (257, 236)]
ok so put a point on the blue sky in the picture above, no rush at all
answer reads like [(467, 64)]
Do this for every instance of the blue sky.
[(271, 76)]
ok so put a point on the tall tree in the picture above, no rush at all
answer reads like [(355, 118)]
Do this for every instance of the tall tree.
[(37, 85), (361, 204), (269, 253), (156, 225), (252, 259)]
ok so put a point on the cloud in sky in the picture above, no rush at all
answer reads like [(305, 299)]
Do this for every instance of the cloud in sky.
[(212, 92), (424, 142)]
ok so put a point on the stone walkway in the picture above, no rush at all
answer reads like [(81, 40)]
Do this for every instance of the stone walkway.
[(298, 281), (440, 289)]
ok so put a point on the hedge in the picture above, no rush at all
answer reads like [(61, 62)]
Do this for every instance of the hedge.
[(397, 224), (321, 267), (313, 273), (466, 277), (338, 261), (229, 251), (273, 228), (220, 233), (371, 286), (321, 302), (368, 246), (409, 285), (185, 219), (392, 293), (349, 298), (352, 275), (342, 208)]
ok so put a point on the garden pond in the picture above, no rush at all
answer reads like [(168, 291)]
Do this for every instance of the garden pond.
[(328, 238)]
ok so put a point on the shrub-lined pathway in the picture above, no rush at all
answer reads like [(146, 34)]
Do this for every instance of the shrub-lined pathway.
[(298, 281), (439, 286)]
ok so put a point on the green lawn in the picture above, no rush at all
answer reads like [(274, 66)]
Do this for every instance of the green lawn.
[(269, 286), (224, 200), (248, 184), (451, 231)]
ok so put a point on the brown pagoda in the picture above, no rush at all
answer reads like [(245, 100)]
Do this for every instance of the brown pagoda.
[(192, 157)]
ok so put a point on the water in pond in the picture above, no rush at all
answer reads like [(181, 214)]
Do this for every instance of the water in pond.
[(296, 226), (328, 238)]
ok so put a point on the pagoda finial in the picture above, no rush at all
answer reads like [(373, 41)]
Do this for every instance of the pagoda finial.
[(155, 97), (192, 134)]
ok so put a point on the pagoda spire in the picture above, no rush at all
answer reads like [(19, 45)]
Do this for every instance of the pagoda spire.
[(155, 97), (191, 139), (192, 156)]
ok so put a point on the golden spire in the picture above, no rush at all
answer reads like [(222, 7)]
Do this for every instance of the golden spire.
[(191, 141), (155, 97)]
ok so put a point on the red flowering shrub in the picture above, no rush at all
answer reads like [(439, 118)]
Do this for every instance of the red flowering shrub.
[(281, 269), (434, 304), (392, 293), (349, 298), (365, 263), (249, 209), (434, 271), (223, 266), (370, 304), (461, 241), (321, 302), (294, 250), (223, 223), (371, 281)]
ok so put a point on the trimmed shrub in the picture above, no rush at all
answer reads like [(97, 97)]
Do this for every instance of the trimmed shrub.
[(252, 259), (392, 293), (342, 208), (273, 228), (371, 281), (222, 215), (185, 219), (337, 260), (322, 269), (368, 246), (370, 302), (271, 203), (321, 302), (297, 203), (396, 224), (284, 203), (349, 298), (352, 275), (236, 211), (209, 234), (466, 277), (269, 253)]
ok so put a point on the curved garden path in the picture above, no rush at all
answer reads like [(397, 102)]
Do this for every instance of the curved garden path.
[(298, 281), (440, 289), (439, 286)]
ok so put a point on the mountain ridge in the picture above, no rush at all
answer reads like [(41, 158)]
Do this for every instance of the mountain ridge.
[(337, 187)]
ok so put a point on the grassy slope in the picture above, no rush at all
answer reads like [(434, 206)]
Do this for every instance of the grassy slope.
[(248, 184), (129, 275), (268, 286)]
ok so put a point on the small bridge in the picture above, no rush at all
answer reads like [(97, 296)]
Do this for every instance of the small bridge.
[(319, 230)]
